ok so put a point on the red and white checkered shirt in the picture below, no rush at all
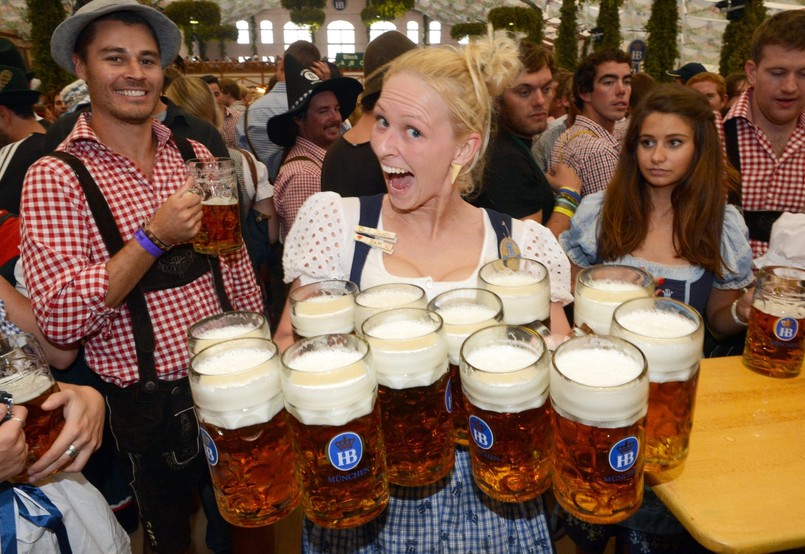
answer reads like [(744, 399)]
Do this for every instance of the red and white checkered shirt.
[(591, 151), (768, 182), (229, 127), (297, 180), (65, 258)]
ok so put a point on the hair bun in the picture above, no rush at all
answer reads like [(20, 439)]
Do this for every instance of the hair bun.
[(494, 60)]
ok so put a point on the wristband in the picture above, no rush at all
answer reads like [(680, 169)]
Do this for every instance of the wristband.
[(145, 242), (576, 196), (734, 312), (564, 211), (561, 201)]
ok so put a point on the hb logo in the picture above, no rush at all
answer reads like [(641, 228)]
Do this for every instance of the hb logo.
[(345, 451), (786, 328), (481, 433), (209, 446), (623, 454)]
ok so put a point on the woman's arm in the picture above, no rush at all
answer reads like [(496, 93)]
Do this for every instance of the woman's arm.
[(719, 310), (19, 312)]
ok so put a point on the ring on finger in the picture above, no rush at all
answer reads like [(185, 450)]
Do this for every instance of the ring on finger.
[(72, 451), (15, 418)]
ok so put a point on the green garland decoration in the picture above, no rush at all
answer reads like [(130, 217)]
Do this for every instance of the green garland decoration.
[(662, 51), (470, 29), (567, 44), (516, 20), (44, 16), (736, 43)]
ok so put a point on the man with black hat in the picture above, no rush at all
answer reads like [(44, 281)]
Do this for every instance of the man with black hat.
[(21, 138), (685, 72), (101, 217), (309, 127)]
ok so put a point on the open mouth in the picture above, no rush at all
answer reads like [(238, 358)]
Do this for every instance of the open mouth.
[(398, 179)]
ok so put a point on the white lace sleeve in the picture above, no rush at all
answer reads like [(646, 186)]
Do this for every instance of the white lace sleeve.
[(538, 243), (319, 245)]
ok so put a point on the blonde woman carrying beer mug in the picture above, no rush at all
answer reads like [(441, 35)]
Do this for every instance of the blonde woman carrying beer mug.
[(431, 131)]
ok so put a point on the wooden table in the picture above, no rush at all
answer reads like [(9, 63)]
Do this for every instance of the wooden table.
[(742, 488)]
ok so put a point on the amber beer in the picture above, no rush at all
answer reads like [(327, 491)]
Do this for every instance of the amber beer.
[(409, 354), (504, 374), (322, 308), (25, 374), (602, 288), (380, 298), (463, 311), (238, 397), (216, 183), (330, 393), (671, 335), (599, 396), (775, 339), (226, 326), (524, 288)]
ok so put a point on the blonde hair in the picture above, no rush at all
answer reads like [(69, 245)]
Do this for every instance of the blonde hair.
[(194, 96), (468, 80)]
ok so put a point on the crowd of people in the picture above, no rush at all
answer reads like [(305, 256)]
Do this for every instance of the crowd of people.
[(594, 166)]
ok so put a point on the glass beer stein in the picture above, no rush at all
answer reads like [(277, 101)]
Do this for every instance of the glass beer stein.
[(599, 395), (217, 183), (504, 374), (775, 338), (602, 288), (463, 311), (524, 288), (244, 430), (409, 354), (25, 375), (226, 326), (386, 297), (330, 392), (671, 336), (325, 307)]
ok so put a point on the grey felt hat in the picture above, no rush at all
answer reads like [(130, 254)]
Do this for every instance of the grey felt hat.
[(62, 43)]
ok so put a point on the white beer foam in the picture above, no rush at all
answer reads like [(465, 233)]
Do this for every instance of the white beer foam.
[(512, 380), (671, 342), (408, 353), (523, 303), (208, 337), (594, 306), (236, 388), (600, 387), (378, 299), (462, 320), (321, 315), (26, 387), (218, 201), (329, 387)]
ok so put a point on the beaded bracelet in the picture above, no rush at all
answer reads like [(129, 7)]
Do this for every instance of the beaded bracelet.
[(572, 193), (568, 198), (566, 205), (161, 244), (564, 211), (145, 242)]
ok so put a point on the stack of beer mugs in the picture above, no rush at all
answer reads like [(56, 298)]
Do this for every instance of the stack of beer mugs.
[(523, 287), (409, 355), (463, 311), (380, 298), (322, 308), (602, 288)]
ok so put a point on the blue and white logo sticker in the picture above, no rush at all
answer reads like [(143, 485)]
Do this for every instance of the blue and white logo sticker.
[(209, 446), (448, 396), (623, 454), (481, 433), (345, 451), (786, 328)]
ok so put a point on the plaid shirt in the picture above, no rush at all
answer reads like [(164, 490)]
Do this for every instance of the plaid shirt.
[(274, 102), (768, 182), (229, 125), (65, 258), (591, 151), (296, 181)]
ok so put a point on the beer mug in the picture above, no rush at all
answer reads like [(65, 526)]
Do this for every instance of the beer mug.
[(524, 288), (409, 354), (504, 374), (25, 375), (671, 336), (463, 311), (599, 395), (322, 308), (602, 288), (330, 392), (386, 297), (243, 426), (226, 326), (217, 183), (775, 337)]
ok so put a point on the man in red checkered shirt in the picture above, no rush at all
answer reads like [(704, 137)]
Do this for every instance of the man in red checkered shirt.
[(311, 125), (768, 121), (131, 301)]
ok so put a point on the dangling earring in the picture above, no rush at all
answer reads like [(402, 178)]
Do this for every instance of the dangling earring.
[(456, 169)]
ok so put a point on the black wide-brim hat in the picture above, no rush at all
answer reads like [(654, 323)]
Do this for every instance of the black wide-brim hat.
[(14, 89), (302, 85)]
